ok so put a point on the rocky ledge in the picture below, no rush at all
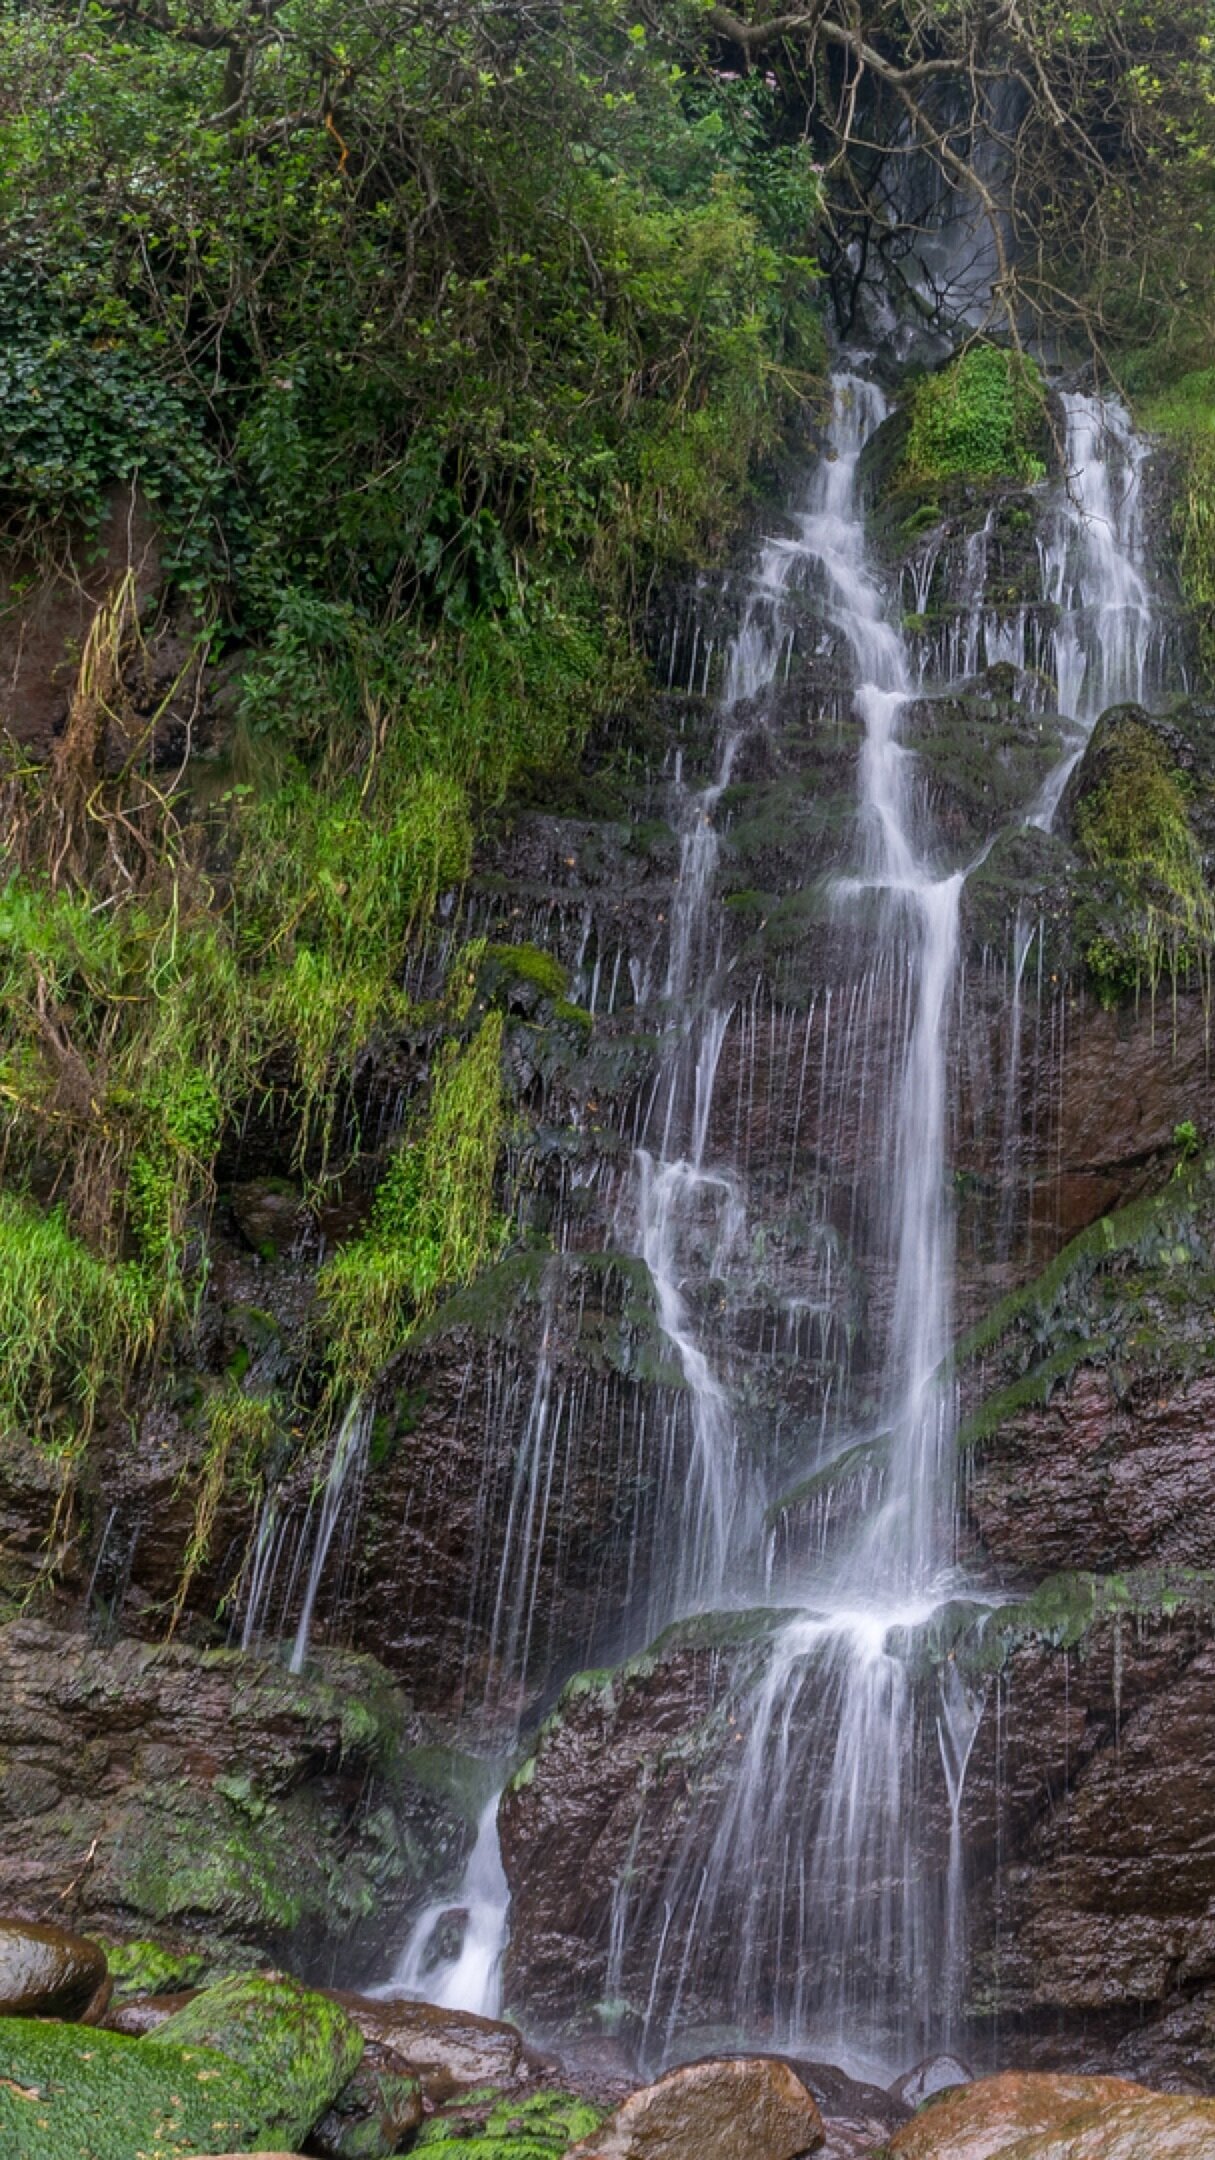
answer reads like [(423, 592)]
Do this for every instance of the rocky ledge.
[(258, 2060)]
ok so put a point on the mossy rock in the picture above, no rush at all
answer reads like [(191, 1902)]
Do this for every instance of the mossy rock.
[(1064, 1611), (148, 1968), (68, 2092), (297, 2048), (492, 2125)]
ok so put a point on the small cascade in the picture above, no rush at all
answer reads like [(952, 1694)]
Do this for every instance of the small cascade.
[(453, 1955), (1092, 572), (680, 1201), (345, 1467)]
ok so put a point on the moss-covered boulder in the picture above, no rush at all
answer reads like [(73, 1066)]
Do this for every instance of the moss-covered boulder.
[(493, 2125), (70, 2093), (297, 2048)]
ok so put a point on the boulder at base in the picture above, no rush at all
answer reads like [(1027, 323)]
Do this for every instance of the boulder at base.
[(1025, 2117), (297, 2047), (45, 1972), (457, 2044), (752, 2105)]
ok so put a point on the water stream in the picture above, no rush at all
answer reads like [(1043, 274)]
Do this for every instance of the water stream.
[(808, 1882)]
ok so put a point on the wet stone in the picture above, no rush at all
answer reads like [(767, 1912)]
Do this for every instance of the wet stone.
[(754, 2106), (456, 2044), (935, 2074), (46, 1972)]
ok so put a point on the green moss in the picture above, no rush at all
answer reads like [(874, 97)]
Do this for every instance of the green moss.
[(1064, 1610), (296, 2047), (855, 1462), (490, 2125), (981, 418), (148, 1968), (1159, 1218), (68, 2092), (529, 964), (1032, 1389), (1135, 826), (433, 1224)]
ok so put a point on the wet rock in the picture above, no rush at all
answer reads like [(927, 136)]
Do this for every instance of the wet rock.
[(147, 2013), (268, 1213), (204, 1789), (46, 1972), (372, 2117), (712, 2111), (844, 2097), (1033, 2117), (297, 2047), (936, 2074), (1090, 1402), (455, 2045)]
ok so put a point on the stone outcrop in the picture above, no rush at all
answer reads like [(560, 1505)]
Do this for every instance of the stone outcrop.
[(47, 1972), (147, 1788), (712, 2111)]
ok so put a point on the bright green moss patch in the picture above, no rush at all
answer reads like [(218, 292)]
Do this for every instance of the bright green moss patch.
[(68, 2092), (147, 1968), (67, 1321), (981, 418), (490, 2125), (1134, 825), (433, 1225), (297, 2048)]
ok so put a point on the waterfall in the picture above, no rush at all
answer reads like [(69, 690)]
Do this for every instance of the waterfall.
[(453, 1953), (798, 1899), (345, 1465), (842, 1929)]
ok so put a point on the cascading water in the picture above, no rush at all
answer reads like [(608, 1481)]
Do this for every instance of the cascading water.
[(803, 1900), (845, 1937)]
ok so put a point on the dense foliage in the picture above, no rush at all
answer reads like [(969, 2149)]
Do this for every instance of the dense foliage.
[(430, 336), (980, 418)]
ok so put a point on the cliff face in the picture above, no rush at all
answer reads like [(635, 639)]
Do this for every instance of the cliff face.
[(501, 1526)]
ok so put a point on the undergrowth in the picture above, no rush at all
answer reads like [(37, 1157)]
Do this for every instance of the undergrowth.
[(433, 1223), (1135, 826), (981, 418)]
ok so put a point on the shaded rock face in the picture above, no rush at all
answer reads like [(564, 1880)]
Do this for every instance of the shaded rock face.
[(712, 2111), (171, 1788), (1092, 1875), (1089, 1438), (1100, 1477)]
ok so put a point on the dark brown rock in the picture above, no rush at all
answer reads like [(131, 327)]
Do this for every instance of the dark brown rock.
[(454, 2047), (144, 2013), (936, 2074), (1100, 1477), (46, 1972), (712, 2111), (200, 1789)]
